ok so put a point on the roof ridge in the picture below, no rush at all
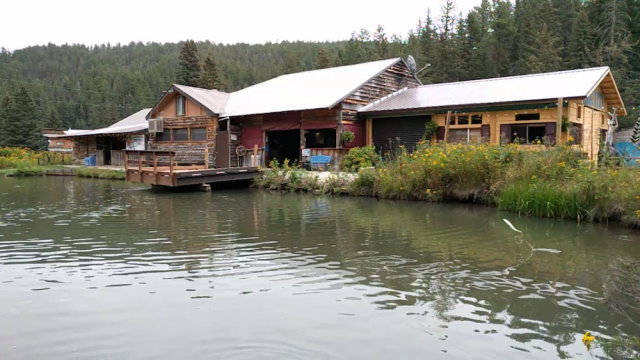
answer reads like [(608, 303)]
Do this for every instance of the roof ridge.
[(514, 77), (337, 67)]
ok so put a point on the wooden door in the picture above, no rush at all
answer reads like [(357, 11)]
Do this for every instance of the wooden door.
[(222, 149)]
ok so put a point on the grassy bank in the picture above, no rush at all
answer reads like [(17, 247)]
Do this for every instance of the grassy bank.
[(552, 182), (89, 172), (26, 171)]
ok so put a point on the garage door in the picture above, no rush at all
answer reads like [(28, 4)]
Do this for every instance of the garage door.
[(389, 133)]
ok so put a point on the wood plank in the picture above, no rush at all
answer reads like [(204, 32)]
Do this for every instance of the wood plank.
[(446, 129), (559, 121)]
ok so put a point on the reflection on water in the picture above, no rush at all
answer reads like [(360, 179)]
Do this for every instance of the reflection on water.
[(101, 269)]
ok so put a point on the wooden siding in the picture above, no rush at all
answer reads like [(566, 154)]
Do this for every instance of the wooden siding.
[(168, 107), (393, 79), (234, 132)]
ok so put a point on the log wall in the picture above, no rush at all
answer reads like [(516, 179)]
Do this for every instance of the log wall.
[(190, 152)]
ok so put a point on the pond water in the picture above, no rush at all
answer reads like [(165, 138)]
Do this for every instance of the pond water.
[(105, 269)]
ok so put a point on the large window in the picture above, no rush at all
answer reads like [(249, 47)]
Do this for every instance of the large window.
[(465, 136), (180, 108), (465, 120), (324, 138), (183, 134), (527, 134), (198, 134)]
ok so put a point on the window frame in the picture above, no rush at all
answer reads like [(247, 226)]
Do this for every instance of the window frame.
[(527, 115), (526, 126), (181, 98), (188, 129), (197, 128), (468, 130)]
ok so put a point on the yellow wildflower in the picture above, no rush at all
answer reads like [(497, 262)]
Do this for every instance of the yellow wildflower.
[(587, 339), (429, 190), (533, 177)]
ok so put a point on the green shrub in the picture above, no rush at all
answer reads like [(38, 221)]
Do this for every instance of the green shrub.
[(100, 173), (430, 129), (358, 158)]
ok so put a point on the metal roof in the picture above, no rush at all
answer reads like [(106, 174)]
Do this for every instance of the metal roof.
[(133, 123), (536, 87), (305, 90), (213, 100)]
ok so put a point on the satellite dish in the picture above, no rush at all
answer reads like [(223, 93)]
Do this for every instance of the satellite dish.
[(241, 150), (413, 67)]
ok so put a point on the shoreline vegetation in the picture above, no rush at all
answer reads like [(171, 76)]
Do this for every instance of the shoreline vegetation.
[(551, 182)]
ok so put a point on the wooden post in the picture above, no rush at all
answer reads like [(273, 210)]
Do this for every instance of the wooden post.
[(139, 166), (559, 122), (369, 132), (155, 168), (254, 163), (339, 129), (171, 165), (126, 162), (206, 157), (446, 129)]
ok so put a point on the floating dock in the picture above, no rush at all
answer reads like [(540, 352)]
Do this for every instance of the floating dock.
[(158, 168)]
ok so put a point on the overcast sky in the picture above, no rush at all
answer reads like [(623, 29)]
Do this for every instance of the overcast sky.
[(37, 22)]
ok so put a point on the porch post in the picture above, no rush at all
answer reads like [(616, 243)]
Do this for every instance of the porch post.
[(339, 129), (369, 132), (559, 122)]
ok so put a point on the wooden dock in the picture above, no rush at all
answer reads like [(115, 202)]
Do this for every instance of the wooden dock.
[(159, 168)]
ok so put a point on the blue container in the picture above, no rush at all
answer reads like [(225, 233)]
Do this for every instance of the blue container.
[(92, 160), (87, 161)]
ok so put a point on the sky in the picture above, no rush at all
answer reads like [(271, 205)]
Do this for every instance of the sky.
[(38, 22)]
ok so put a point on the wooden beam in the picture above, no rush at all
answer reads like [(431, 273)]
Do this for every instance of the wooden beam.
[(559, 121), (446, 129), (339, 129), (369, 132), (206, 157), (255, 155)]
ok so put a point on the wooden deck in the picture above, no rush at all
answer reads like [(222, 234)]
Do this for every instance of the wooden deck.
[(158, 168)]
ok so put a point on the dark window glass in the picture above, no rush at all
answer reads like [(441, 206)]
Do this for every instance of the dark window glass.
[(198, 134), (180, 134), (164, 136), (476, 119), (324, 138), (527, 117), (527, 134), (463, 120), (452, 120)]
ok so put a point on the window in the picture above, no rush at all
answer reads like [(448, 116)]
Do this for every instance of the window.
[(527, 134), (604, 120), (325, 138), (476, 119), (198, 134), (463, 120), (164, 136), (452, 119), (180, 105), (527, 117), (59, 143), (465, 136), (180, 134), (579, 112)]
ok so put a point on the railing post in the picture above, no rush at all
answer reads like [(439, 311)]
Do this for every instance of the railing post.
[(206, 157), (255, 155), (126, 162), (171, 164)]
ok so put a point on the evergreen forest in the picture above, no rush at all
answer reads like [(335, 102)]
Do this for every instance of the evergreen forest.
[(82, 87)]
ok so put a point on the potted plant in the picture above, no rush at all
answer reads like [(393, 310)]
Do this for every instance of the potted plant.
[(348, 137)]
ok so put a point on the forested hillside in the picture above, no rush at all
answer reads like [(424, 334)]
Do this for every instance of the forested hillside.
[(90, 86)]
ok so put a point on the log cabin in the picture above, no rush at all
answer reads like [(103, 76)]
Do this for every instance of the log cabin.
[(293, 116), (526, 109)]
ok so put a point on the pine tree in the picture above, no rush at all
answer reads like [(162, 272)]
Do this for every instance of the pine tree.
[(5, 109), (339, 59), (547, 57), (21, 122), (353, 53), (189, 72), (53, 120), (581, 43), (499, 39), (291, 63), (210, 77), (323, 60), (381, 42)]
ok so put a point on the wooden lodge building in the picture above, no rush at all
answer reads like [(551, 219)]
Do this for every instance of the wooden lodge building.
[(524, 109), (293, 116), (107, 144)]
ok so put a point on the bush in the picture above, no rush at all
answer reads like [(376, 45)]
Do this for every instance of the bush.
[(348, 136), (100, 173), (358, 158), (430, 129), (12, 158)]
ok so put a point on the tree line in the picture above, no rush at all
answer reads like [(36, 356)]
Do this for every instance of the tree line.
[(81, 87)]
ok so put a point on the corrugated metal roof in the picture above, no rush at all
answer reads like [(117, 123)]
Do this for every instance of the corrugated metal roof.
[(133, 123), (213, 100), (547, 86), (315, 89)]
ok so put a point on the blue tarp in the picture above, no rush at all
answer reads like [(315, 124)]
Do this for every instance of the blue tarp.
[(628, 149)]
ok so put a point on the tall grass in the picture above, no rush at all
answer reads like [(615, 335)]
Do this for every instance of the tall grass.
[(552, 182), (100, 173), (14, 158)]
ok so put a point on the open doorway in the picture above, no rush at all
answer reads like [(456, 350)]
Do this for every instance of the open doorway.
[(283, 145)]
